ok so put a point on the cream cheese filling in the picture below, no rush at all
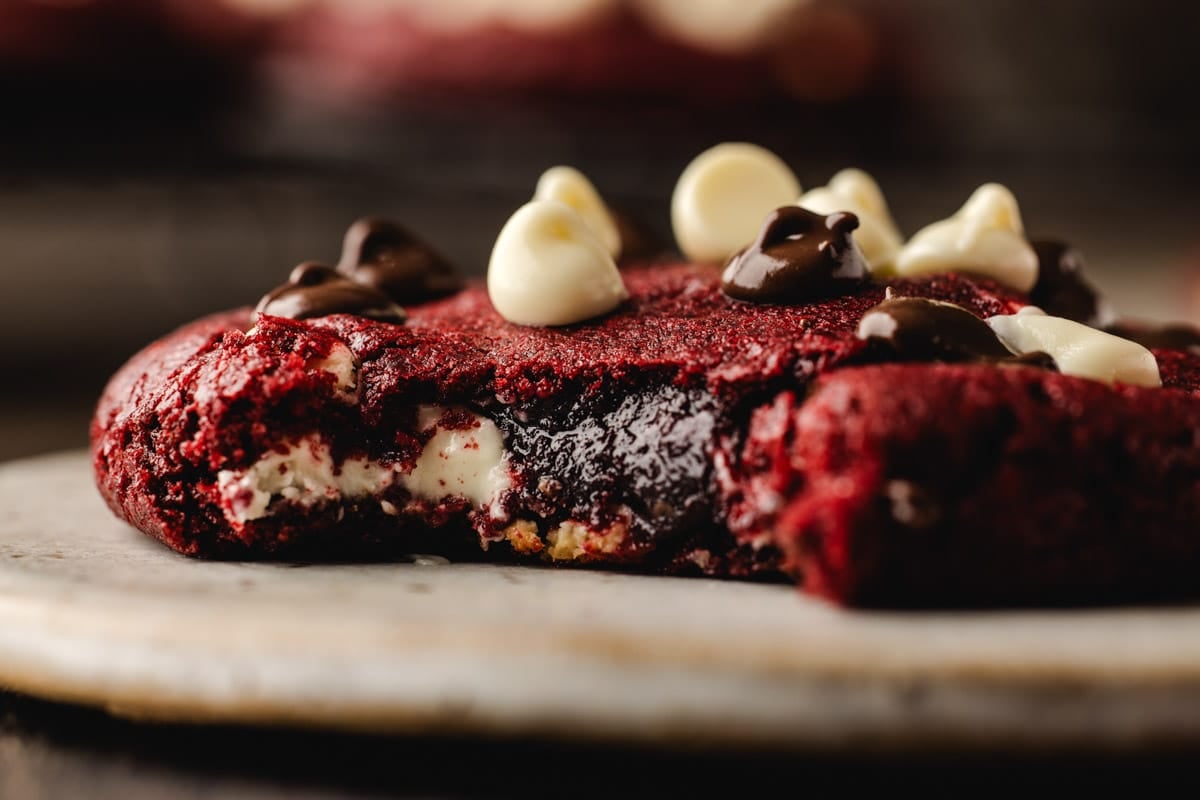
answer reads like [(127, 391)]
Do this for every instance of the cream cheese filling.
[(471, 463)]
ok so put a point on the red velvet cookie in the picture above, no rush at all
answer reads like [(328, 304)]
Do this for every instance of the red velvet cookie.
[(928, 440), (606, 437)]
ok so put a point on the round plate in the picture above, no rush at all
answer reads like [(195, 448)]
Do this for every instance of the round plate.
[(93, 612)]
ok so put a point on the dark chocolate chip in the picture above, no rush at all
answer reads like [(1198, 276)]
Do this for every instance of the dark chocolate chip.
[(798, 256), (1061, 289), (384, 256), (314, 290), (1158, 337), (919, 329)]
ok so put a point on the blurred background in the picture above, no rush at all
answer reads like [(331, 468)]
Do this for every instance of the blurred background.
[(160, 159)]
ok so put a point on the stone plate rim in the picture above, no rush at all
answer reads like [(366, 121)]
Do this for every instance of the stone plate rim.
[(91, 612)]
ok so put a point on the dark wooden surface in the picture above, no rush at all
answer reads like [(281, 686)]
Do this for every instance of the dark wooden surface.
[(49, 751)]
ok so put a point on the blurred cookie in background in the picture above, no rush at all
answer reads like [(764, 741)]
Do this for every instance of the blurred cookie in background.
[(723, 49), (104, 52)]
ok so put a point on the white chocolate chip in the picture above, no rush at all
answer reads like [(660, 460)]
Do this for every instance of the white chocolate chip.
[(985, 237), (857, 192), (341, 364), (1076, 348), (722, 197), (571, 187), (549, 268)]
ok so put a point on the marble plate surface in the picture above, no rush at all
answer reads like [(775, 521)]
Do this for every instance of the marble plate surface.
[(93, 612)]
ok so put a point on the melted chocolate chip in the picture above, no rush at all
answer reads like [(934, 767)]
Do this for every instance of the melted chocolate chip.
[(918, 329), (314, 290), (1061, 289), (1158, 337), (384, 256), (798, 256)]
